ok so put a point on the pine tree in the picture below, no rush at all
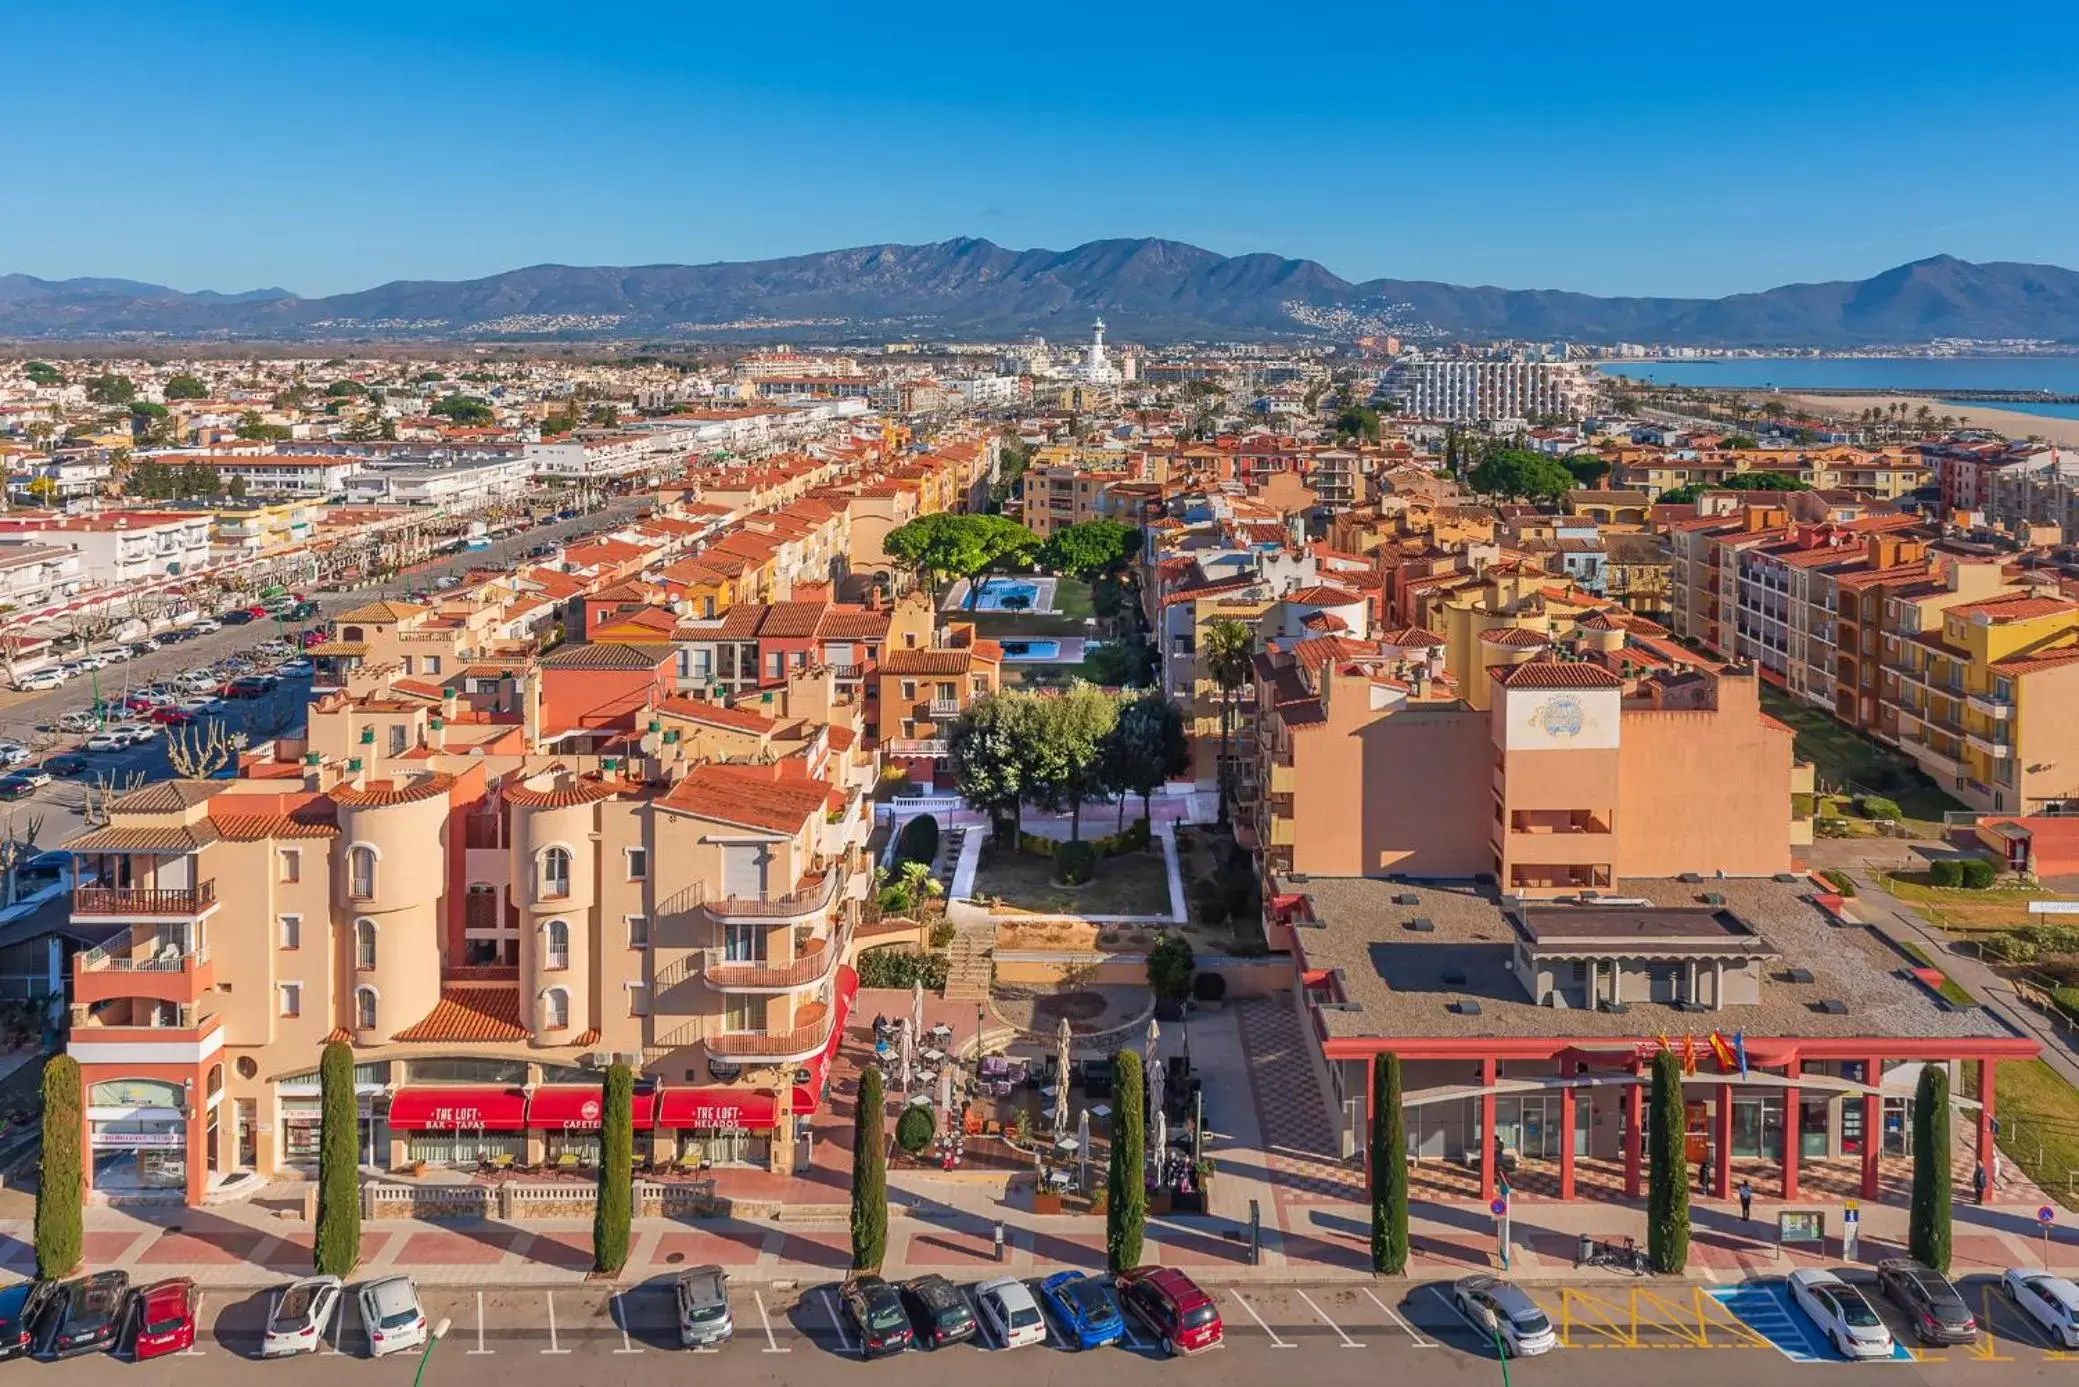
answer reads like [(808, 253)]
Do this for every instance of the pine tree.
[(869, 1175), (1927, 1237), (1126, 1207), (1667, 1193), (614, 1207), (337, 1247), (60, 1190), (1389, 1169)]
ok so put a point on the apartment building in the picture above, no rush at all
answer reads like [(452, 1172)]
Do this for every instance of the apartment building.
[(923, 688), (1056, 496), (34, 576), (120, 547), (1473, 391)]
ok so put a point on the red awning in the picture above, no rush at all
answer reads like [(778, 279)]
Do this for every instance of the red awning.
[(809, 1096), (724, 1109), (459, 1109), (577, 1108)]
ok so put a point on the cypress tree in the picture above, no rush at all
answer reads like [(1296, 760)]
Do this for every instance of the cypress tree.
[(614, 1207), (1126, 1208), (1667, 1193), (60, 1191), (869, 1175), (337, 1247), (1927, 1237), (1389, 1169)]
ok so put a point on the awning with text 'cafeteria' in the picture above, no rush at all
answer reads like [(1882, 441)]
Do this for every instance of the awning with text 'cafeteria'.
[(579, 1107), (808, 1096), (459, 1109)]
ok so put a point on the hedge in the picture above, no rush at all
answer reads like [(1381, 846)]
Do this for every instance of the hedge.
[(1126, 1210), (1971, 873), (1667, 1189), (1075, 863), (1945, 871), (1927, 1236), (919, 841), (915, 1129), (902, 968), (1389, 1169), (1979, 873), (1878, 807), (1134, 838)]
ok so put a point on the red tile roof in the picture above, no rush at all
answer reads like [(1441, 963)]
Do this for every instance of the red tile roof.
[(470, 1014)]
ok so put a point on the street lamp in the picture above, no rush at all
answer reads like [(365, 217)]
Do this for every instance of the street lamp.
[(440, 1331)]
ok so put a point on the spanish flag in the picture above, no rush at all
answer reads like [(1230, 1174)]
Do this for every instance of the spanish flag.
[(1689, 1054), (1727, 1061)]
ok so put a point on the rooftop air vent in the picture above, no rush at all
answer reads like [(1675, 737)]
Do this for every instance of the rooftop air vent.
[(1713, 898), (1296, 878), (1798, 975), (1787, 878), (1406, 898), (1690, 877), (1615, 1008), (1466, 1008), (1422, 924), (1832, 1006)]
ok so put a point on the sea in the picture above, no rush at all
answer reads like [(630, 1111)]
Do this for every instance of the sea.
[(1919, 375)]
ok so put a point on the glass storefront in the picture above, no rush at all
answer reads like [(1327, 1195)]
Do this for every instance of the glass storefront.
[(465, 1148), (141, 1154), (711, 1147)]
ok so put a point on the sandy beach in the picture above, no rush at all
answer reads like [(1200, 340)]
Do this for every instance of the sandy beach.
[(2012, 423)]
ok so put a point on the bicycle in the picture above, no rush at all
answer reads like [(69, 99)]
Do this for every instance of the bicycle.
[(1623, 1254)]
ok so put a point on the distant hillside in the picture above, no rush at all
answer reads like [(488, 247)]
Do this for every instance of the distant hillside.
[(1146, 289)]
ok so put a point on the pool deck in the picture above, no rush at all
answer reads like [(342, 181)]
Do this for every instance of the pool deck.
[(1042, 595)]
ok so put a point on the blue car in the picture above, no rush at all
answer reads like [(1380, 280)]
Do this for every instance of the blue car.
[(1084, 1308)]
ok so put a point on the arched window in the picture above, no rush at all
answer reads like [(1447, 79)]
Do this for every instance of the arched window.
[(555, 1009), (555, 944), (350, 633), (361, 872), (364, 945), (555, 873), (364, 1008)]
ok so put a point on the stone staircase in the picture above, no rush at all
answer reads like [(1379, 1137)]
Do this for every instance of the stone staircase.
[(969, 968)]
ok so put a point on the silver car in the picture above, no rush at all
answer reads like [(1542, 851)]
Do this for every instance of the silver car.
[(390, 1312), (1508, 1317), (301, 1315), (702, 1294)]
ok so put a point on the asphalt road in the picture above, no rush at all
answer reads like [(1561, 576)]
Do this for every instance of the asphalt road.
[(1329, 1335)]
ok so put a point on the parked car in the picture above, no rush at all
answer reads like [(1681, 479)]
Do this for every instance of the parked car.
[(1508, 1317), (21, 1306), (207, 626), (246, 686), (1012, 1314), (702, 1295), (938, 1312), (876, 1313), (2051, 1301), (303, 610), (1938, 1313), (145, 646), (239, 616), (301, 1316), (106, 741), (390, 1311), (1842, 1315), (43, 868), (296, 669), (42, 681), (1176, 1311), (13, 753), (85, 1315), (35, 775), (14, 787), (161, 1318), (77, 722), (67, 762), (172, 717), (1085, 1309)]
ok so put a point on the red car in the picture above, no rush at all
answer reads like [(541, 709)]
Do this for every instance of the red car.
[(1173, 1308), (172, 717), (162, 1318)]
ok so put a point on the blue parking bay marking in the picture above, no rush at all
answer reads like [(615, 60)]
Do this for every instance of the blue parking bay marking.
[(1766, 1308)]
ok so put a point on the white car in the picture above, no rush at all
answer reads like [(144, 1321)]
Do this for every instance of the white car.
[(77, 722), (41, 681), (116, 654), (1847, 1320), (209, 625), (390, 1310), (1509, 1318), (301, 1315), (1011, 1313), (137, 732), (13, 753), (296, 669), (36, 776), (2051, 1301), (200, 703), (91, 662), (106, 741)]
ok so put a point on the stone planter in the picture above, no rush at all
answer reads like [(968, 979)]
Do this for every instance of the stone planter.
[(1044, 1202)]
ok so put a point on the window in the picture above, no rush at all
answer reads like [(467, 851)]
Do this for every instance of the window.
[(398, 736), (364, 945), (555, 873), (288, 864), (555, 945), (433, 664), (638, 999), (289, 998), (291, 931), (638, 864), (555, 1009), (638, 931), (364, 1008), (361, 872)]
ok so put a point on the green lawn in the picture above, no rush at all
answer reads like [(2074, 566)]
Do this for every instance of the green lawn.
[(2039, 1122), (1132, 883), (1841, 757), (1913, 887)]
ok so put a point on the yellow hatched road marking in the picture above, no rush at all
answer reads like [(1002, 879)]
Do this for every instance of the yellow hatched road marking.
[(1987, 1349), (1612, 1323)]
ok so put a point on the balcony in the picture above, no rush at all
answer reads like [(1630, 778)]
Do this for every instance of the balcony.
[(117, 903), (945, 708), (1989, 705), (814, 896), (1934, 762), (818, 957), (916, 748), (777, 1047), (143, 964), (1994, 746), (1538, 823), (156, 1032), (1283, 778)]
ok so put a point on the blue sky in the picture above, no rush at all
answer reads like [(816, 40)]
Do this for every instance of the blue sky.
[(1603, 148)]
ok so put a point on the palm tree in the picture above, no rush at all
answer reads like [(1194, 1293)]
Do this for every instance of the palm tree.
[(1229, 650), (1922, 415)]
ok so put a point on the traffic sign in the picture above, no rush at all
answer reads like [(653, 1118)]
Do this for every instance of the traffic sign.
[(1498, 1207), (2046, 1214)]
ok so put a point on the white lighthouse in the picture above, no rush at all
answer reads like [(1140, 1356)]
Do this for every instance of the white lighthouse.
[(1097, 367)]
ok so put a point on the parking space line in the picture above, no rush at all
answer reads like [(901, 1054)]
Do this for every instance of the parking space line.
[(200, 1319), (555, 1344), (1348, 1342), (1276, 1342), (772, 1343), (830, 1308), (1413, 1333), (974, 1307), (346, 1305), (480, 1328), (1126, 1329), (620, 1313)]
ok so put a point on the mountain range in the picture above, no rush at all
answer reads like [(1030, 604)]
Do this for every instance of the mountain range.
[(1147, 290)]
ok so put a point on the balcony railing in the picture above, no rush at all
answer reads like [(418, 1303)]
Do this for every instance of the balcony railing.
[(170, 958), (773, 1046), (123, 900), (725, 974), (945, 707), (917, 747), (805, 901)]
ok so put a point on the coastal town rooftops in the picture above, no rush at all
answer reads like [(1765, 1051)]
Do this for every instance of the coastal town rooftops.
[(1410, 981)]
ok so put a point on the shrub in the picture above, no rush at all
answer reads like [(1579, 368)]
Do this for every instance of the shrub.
[(614, 1206), (1244, 897), (337, 1246), (1074, 863), (1209, 987), (1839, 880), (1978, 873), (915, 1129), (1211, 900), (1878, 807), (1832, 827), (918, 841), (60, 1191), (902, 968), (1170, 966), (1135, 837), (942, 934), (1802, 805), (1037, 844), (869, 1175), (2009, 948), (1945, 871)]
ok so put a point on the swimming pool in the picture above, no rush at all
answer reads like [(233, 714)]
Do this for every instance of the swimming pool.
[(1008, 594), (1035, 649)]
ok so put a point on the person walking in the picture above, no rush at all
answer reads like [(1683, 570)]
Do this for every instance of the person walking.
[(1978, 1182), (1703, 1176), (1746, 1202)]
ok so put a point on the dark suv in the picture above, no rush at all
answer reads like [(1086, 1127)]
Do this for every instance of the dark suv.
[(938, 1311), (875, 1310), (1938, 1313)]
